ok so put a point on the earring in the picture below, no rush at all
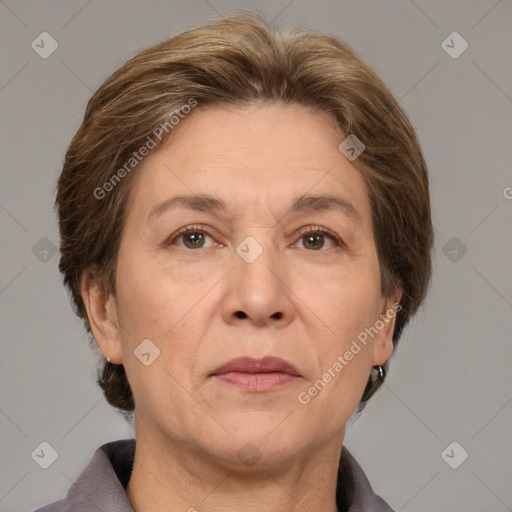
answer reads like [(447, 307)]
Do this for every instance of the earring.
[(108, 359), (381, 372)]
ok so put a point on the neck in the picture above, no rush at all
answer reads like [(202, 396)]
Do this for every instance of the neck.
[(169, 475)]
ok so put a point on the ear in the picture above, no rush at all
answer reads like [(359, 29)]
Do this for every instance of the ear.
[(102, 314), (383, 342)]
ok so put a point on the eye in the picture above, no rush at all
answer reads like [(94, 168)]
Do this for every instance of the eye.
[(312, 238), (191, 237), (316, 238)]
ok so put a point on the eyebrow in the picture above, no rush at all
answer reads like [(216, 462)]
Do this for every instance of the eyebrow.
[(301, 204)]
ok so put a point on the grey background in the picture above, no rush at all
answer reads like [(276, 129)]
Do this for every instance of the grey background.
[(451, 377)]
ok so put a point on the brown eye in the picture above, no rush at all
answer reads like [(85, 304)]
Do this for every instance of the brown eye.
[(192, 237), (194, 240), (313, 241), (318, 238)]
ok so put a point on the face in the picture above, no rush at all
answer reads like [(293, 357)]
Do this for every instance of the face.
[(248, 235)]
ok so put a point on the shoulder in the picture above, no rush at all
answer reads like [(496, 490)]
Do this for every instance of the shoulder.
[(58, 506), (361, 498), (100, 486)]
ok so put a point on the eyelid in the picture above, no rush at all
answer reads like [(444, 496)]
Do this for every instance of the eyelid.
[(192, 228), (322, 230)]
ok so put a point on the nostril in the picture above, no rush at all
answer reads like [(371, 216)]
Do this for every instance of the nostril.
[(277, 316), (240, 314)]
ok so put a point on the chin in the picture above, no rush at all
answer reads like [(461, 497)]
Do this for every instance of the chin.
[(264, 438)]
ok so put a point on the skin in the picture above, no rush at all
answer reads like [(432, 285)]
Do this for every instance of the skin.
[(302, 301)]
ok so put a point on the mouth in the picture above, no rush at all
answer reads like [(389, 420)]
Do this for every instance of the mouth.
[(256, 375)]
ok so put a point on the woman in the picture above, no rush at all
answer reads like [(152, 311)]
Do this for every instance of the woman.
[(245, 231)]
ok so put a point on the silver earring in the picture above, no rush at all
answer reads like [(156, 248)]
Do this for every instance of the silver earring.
[(108, 359), (381, 372)]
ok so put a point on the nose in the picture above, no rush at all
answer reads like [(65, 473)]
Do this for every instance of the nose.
[(258, 292)]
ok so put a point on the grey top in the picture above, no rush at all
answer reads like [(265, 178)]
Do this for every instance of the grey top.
[(101, 485)]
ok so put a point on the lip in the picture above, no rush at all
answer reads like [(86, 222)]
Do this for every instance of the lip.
[(257, 375), (267, 364)]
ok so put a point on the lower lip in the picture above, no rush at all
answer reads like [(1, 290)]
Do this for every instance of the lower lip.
[(256, 382)]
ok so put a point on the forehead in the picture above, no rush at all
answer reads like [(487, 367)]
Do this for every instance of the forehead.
[(251, 157)]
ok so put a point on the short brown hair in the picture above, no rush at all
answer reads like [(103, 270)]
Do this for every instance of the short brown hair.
[(238, 60)]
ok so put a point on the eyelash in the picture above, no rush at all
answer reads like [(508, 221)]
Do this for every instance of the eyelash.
[(301, 233), (307, 230)]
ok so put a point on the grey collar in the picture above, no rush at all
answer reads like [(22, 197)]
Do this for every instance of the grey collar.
[(100, 486)]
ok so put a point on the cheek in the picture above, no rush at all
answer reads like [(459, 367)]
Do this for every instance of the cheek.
[(349, 301), (160, 306), (150, 300), (338, 382), (153, 306)]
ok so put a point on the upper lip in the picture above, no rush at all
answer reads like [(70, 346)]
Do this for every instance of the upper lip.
[(251, 365)]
